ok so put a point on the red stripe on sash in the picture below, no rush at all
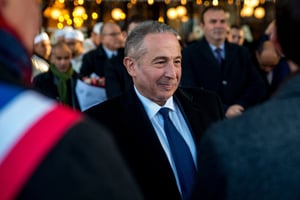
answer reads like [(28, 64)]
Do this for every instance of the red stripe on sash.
[(28, 153)]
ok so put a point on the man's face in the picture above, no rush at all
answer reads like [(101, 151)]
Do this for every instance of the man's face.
[(61, 58), (268, 58), (111, 37), (76, 46), (96, 38), (214, 26), (43, 49), (157, 73), (236, 36)]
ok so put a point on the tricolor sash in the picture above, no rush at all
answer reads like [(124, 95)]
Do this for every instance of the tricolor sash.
[(30, 126)]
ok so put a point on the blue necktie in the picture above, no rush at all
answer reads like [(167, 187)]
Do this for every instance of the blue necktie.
[(182, 156), (219, 55)]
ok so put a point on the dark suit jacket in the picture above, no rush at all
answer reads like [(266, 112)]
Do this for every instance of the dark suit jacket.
[(137, 140), (117, 79), (256, 155), (95, 61), (237, 81)]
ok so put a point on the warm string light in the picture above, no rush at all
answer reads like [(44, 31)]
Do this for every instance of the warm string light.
[(198, 2), (79, 16), (94, 15), (118, 14), (206, 3), (167, 2), (150, 2), (215, 2), (251, 7), (177, 13), (259, 12), (230, 2), (62, 15), (183, 2)]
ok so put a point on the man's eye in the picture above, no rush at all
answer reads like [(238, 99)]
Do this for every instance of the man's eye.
[(160, 62), (177, 61)]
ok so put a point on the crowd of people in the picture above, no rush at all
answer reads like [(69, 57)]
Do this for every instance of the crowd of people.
[(208, 120), (219, 62), (97, 61)]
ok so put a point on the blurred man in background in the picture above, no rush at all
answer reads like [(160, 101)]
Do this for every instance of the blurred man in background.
[(236, 35), (42, 50), (94, 40)]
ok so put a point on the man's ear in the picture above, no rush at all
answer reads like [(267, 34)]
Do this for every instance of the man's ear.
[(293, 66), (130, 65)]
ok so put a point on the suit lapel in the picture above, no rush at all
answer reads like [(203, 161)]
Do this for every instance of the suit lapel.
[(191, 113), (138, 122), (207, 52), (230, 54), (141, 130)]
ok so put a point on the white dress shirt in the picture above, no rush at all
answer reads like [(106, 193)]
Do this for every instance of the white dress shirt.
[(110, 53)]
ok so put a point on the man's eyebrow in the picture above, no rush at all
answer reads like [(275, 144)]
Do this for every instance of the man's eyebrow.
[(160, 57), (165, 58)]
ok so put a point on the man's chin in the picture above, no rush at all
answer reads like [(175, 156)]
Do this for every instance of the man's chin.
[(63, 70)]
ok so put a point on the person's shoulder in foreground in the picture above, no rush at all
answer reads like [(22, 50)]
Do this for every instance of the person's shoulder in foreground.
[(48, 151), (256, 156), (47, 156)]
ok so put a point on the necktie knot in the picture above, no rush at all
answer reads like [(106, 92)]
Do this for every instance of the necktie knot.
[(164, 112)]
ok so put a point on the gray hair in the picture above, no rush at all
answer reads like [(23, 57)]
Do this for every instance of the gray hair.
[(134, 41)]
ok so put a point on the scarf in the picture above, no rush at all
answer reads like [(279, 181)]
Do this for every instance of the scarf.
[(62, 82)]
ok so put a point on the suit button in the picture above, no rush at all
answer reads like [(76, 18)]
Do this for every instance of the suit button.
[(224, 82)]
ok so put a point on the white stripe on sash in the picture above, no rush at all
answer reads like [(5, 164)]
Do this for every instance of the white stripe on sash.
[(19, 115)]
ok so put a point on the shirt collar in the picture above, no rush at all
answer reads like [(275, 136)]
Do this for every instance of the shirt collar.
[(151, 107), (213, 48), (109, 53)]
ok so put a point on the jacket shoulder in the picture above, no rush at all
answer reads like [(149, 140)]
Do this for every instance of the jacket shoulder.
[(190, 92), (43, 77)]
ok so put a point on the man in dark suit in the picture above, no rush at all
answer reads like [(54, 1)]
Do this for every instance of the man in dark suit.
[(117, 78), (94, 62), (226, 68), (256, 156), (273, 67), (153, 60), (48, 151)]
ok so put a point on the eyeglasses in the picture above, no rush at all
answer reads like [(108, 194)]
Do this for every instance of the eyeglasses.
[(114, 34)]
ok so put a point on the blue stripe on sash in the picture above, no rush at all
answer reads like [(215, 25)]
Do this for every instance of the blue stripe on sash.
[(7, 93)]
